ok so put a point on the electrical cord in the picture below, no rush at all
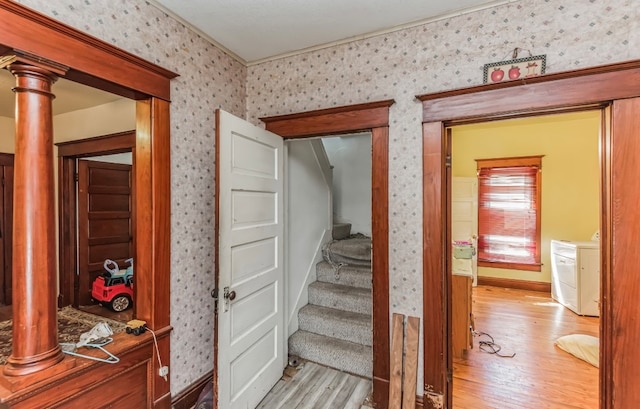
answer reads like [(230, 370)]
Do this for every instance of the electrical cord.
[(155, 342), (489, 346)]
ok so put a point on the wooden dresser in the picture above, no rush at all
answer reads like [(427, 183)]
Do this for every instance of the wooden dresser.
[(461, 315)]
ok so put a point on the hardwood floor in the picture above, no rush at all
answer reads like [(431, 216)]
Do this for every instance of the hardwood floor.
[(96, 309), (540, 375), (318, 387), (6, 312)]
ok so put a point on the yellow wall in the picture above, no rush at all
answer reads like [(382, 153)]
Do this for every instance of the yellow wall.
[(7, 134), (570, 173), (117, 116)]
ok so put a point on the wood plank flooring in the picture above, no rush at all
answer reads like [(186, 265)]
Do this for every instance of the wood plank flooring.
[(317, 387), (540, 375)]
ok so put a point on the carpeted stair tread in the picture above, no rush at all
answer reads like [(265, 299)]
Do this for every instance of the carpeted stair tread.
[(341, 297), (354, 251), (342, 355), (341, 231), (355, 276), (344, 325)]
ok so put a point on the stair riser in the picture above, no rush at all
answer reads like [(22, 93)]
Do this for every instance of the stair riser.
[(352, 276), (346, 331), (341, 231), (345, 302), (325, 354), (351, 251)]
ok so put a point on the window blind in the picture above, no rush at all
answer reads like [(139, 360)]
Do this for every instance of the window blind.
[(507, 214)]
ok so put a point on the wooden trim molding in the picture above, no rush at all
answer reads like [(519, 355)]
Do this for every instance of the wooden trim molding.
[(516, 284), (189, 397), (582, 87), (98, 64), (606, 226), (620, 332), (615, 85), (331, 121), (380, 263), (600, 69), (103, 145), (86, 56), (434, 212), (373, 117)]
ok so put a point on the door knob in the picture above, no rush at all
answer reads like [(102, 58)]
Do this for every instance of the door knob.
[(229, 295)]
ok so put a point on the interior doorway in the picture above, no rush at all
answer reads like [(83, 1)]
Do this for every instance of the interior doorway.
[(328, 252), (609, 88), (356, 118), (96, 197), (104, 219), (570, 212)]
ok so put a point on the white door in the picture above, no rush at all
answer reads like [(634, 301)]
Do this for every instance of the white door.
[(464, 220), (251, 349)]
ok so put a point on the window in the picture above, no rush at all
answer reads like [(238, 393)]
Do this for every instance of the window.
[(509, 212)]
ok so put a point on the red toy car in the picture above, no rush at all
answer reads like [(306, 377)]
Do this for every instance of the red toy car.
[(113, 291)]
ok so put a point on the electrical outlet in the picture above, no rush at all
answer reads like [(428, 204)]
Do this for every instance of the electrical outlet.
[(164, 371)]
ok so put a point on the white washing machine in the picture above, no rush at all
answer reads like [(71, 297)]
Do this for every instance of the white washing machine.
[(575, 275)]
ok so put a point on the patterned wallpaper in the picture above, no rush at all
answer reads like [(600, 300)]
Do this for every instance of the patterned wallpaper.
[(438, 56), (208, 79), (441, 55)]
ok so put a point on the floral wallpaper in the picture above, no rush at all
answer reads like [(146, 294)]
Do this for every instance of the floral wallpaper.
[(208, 79), (441, 55)]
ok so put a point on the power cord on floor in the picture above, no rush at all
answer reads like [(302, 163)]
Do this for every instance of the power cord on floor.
[(489, 346)]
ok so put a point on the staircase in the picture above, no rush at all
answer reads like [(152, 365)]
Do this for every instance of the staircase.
[(335, 327)]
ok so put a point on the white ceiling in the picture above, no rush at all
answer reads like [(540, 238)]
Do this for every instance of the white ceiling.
[(256, 30)]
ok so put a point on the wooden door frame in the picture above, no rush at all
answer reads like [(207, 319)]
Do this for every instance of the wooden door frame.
[(6, 159), (372, 117), (68, 153), (607, 88), (98, 64)]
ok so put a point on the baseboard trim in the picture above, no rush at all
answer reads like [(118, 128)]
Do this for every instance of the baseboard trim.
[(517, 284), (163, 403), (188, 397)]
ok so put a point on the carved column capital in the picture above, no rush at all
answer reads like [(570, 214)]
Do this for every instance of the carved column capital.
[(25, 59)]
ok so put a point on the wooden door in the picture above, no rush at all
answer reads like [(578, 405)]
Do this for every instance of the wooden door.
[(250, 314), (464, 220), (104, 221), (6, 226)]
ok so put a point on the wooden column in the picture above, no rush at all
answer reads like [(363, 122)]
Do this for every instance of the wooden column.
[(35, 329)]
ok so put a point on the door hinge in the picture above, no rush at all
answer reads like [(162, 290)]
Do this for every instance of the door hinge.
[(214, 294), (447, 161), (76, 177)]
